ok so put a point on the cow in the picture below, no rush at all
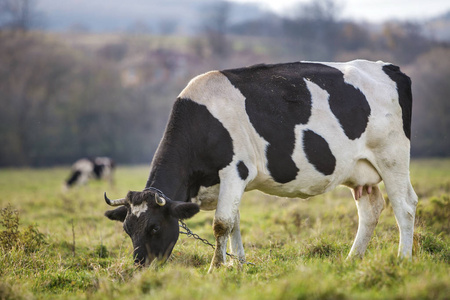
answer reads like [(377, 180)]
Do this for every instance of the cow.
[(292, 130), (84, 169)]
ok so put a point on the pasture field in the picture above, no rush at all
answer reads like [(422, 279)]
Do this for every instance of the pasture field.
[(56, 245)]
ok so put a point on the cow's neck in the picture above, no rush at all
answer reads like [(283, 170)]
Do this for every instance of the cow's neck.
[(189, 156), (169, 173)]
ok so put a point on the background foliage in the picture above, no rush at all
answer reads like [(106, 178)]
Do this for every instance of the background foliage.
[(73, 94)]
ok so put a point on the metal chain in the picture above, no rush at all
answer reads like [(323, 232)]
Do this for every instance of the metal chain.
[(189, 233)]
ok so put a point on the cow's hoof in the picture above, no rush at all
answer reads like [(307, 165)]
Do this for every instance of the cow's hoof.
[(214, 266), (212, 269)]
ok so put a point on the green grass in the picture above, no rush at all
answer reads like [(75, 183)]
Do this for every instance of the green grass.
[(298, 247)]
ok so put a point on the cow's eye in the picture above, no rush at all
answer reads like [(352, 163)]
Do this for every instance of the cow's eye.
[(155, 229)]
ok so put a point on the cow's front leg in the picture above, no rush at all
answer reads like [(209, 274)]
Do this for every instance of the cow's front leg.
[(222, 228), (227, 215)]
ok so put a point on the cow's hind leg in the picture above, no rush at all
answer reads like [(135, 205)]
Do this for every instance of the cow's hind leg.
[(393, 166), (403, 200), (370, 204)]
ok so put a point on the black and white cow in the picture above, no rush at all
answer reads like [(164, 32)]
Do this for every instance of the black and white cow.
[(295, 130), (84, 169)]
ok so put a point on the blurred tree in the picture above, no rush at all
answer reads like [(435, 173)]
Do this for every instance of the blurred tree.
[(431, 106), (139, 27), (19, 14), (114, 51), (58, 105), (404, 40), (30, 77), (216, 27), (168, 27), (63, 97), (352, 37), (270, 25), (313, 29)]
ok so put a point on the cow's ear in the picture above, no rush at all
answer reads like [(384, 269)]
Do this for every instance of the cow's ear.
[(183, 210), (118, 214)]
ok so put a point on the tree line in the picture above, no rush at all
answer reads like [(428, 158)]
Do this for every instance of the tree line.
[(63, 97)]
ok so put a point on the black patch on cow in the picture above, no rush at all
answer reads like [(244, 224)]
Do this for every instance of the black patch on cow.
[(73, 178), (194, 148), (242, 170), (318, 152), (277, 99), (404, 95), (98, 170), (347, 103)]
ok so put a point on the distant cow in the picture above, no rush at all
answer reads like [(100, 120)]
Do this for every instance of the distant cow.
[(295, 130), (84, 169)]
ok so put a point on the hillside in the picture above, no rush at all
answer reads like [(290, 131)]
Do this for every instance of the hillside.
[(439, 28), (67, 95)]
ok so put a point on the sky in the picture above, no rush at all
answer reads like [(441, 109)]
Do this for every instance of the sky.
[(112, 15), (373, 10)]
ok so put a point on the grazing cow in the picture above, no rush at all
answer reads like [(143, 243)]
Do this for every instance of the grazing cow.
[(84, 169), (292, 130)]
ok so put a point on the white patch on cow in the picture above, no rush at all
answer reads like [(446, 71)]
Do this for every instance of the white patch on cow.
[(107, 171), (227, 104), (385, 126), (85, 167), (106, 161), (137, 210), (324, 123), (230, 193)]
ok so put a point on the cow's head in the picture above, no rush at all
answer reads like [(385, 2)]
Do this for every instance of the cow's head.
[(151, 220)]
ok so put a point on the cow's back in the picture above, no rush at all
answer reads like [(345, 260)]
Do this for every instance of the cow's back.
[(302, 128)]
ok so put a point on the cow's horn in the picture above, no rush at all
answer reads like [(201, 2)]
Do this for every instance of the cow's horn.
[(160, 200), (117, 202)]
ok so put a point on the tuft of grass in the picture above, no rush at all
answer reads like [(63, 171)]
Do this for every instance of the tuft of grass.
[(385, 273), (12, 291), (435, 213), (433, 245), (10, 221), (101, 251), (29, 239), (323, 249)]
